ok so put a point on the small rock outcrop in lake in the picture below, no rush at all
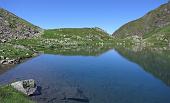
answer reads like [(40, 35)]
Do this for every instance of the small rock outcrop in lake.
[(27, 87)]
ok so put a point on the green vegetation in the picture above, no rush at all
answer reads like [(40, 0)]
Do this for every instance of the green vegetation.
[(54, 47), (162, 37), (152, 30), (148, 24), (14, 51), (58, 41), (67, 38), (81, 34), (10, 95), (78, 36)]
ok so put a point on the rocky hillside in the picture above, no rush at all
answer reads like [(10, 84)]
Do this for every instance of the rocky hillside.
[(150, 24), (12, 26)]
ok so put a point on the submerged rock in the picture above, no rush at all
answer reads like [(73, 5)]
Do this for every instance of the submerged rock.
[(27, 87), (74, 95)]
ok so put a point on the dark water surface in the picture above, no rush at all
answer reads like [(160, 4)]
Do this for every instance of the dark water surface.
[(106, 78)]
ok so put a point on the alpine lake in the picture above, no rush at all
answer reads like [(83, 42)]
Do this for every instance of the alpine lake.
[(97, 75)]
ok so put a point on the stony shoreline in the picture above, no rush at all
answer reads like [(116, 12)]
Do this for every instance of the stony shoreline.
[(7, 61), (10, 61)]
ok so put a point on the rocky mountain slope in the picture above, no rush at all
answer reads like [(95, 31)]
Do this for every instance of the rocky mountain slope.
[(12, 26), (154, 24)]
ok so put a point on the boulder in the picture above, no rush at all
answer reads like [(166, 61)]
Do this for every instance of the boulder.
[(27, 87), (11, 61), (5, 62)]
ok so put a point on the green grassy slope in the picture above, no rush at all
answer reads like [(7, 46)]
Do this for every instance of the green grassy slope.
[(151, 30), (148, 25), (9, 95), (78, 34), (161, 37)]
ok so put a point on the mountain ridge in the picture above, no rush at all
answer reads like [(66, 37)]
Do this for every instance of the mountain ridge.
[(151, 22)]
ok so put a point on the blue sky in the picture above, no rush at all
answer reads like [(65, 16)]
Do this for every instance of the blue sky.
[(107, 14)]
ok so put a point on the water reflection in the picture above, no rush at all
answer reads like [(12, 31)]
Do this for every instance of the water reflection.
[(154, 61), (5, 68), (96, 75), (87, 50), (69, 51)]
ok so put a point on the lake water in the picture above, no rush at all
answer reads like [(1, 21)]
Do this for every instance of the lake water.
[(103, 78)]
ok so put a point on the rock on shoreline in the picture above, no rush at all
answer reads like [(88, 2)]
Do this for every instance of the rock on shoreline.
[(27, 87), (6, 61)]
